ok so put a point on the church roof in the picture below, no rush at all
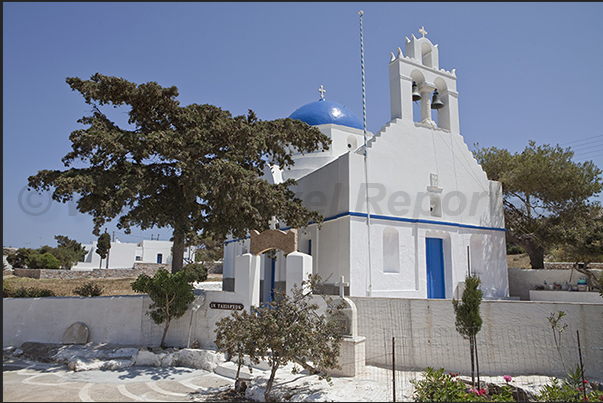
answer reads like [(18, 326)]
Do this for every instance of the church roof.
[(322, 112)]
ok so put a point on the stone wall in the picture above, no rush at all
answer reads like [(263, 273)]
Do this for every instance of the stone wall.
[(147, 268), (569, 265)]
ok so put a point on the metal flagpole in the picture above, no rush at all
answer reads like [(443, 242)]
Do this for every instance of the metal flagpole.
[(368, 209)]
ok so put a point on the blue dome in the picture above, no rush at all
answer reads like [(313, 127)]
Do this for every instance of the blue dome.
[(322, 112)]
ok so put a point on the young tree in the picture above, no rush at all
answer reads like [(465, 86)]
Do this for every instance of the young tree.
[(288, 329), (542, 186), (195, 168), (170, 293), (102, 247), (68, 251), (468, 320)]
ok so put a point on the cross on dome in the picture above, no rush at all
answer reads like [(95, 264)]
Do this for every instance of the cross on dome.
[(273, 221), (341, 284), (422, 31), (322, 92)]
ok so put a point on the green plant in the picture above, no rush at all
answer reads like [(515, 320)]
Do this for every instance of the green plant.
[(468, 320), (103, 245), (27, 292), (555, 321), (569, 389), (288, 329), (48, 261), (195, 272), (89, 289), (439, 387), (170, 293)]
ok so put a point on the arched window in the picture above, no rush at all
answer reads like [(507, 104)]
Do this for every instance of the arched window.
[(391, 250)]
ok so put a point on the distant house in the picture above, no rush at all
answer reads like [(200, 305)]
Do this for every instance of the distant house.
[(123, 255)]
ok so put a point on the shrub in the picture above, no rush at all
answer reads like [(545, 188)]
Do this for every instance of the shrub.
[(195, 272), (89, 289), (439, 387), (514, 249), (44, 261), (570, 389), (27, 292)]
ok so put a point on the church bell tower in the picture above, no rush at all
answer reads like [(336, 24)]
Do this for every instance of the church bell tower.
[(417, 77)]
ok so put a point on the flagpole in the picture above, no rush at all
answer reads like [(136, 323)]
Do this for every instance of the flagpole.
[(369, 289)]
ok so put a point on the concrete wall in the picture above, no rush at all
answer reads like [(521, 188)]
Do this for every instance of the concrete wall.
[(110, 319), (515, 338), (521, 281)]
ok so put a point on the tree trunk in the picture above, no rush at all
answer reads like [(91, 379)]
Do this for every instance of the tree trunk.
[(177, 252), (472, 361), (476, 359), (167, 325), (534, 250), (270, 382)]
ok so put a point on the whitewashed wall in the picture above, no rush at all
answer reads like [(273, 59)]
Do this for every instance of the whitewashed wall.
[(516, 337), (521, 281)]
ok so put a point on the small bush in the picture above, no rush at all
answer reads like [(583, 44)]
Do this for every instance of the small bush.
[(195, 272), (514, 249), (439, 387), (27, 292), (46, 261), (570, 389), (89, 289)]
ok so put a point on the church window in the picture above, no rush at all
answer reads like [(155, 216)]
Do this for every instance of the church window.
[(391, 250)]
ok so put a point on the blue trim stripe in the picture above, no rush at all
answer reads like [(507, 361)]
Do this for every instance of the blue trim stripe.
[(399, 219)]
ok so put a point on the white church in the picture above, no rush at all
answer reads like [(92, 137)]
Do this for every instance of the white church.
[(407, 216)]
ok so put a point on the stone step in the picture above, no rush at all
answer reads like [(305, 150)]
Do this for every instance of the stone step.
[(229, 370), (262, 365)]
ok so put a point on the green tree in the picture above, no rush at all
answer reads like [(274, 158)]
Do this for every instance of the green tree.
[(288, 329), (170, 293), (20, 257), (582, 241), (103, 244), (468, 320), (68, 251), (195, 168), (208, 251), (44, 261), (542, 188)]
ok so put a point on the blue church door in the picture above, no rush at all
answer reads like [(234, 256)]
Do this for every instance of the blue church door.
[(435, 268)]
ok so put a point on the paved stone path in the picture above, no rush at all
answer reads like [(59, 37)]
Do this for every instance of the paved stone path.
[(26, 381)]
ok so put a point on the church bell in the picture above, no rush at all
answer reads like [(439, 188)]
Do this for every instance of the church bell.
[(416, 96), (435, 101)]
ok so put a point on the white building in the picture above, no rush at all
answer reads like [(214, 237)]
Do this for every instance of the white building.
[(124, 255), (433, 214)]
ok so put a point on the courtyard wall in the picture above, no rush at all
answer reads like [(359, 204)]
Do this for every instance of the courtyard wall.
[(516, 337)]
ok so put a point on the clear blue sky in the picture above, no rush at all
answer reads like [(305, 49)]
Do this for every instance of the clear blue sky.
[(524, 71)]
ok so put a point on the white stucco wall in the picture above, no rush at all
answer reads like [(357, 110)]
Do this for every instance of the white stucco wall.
[(123, 255), (521, 281), (515, 337)]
